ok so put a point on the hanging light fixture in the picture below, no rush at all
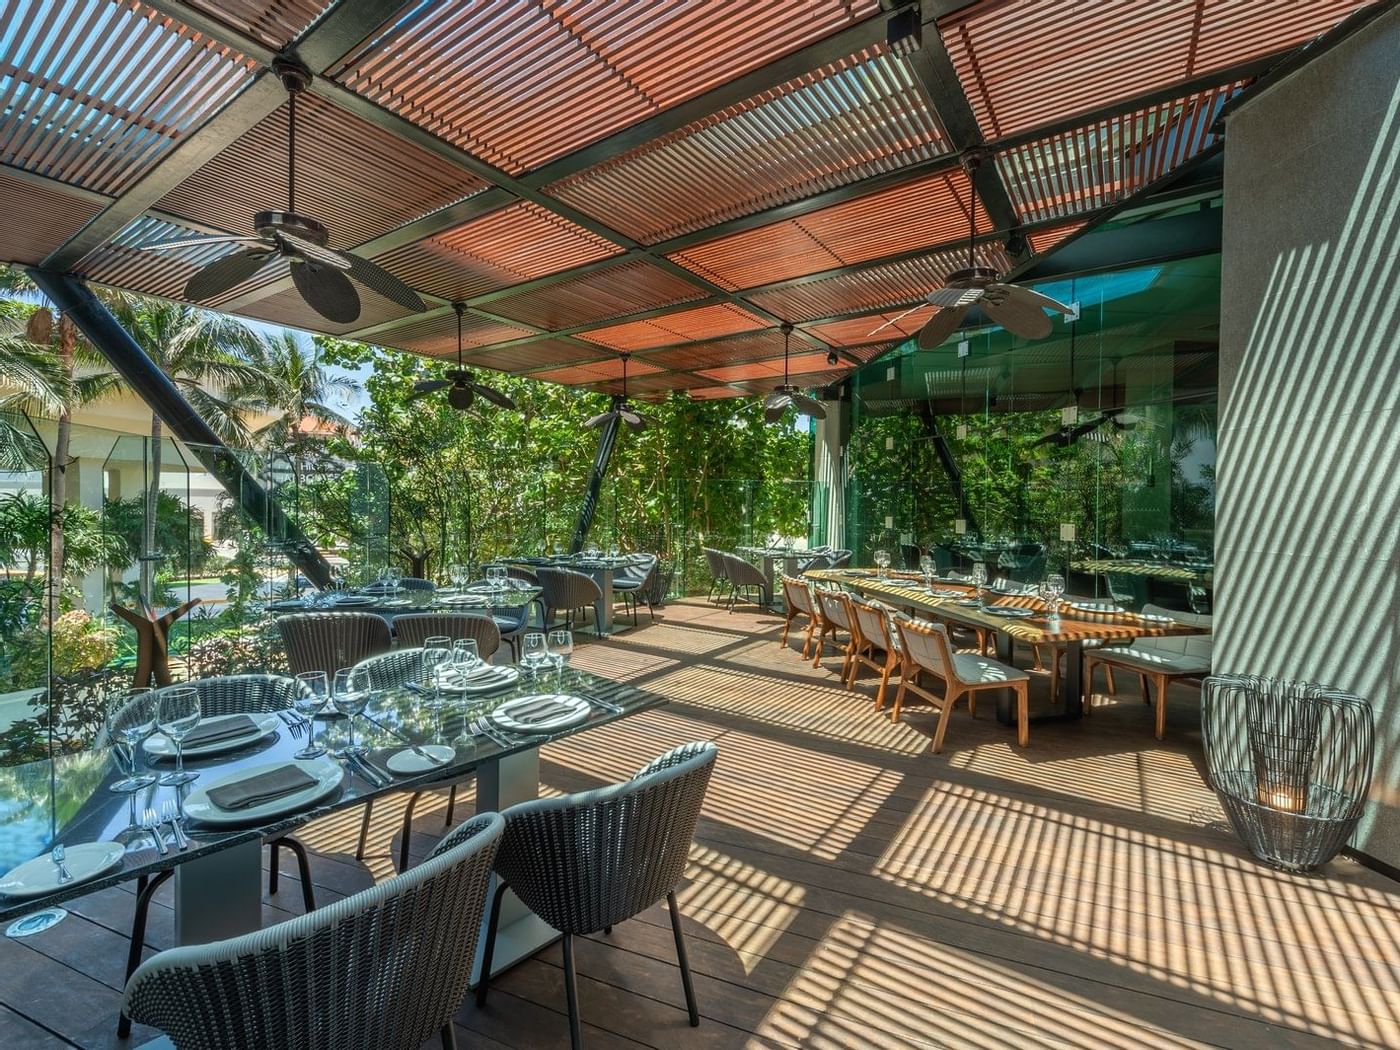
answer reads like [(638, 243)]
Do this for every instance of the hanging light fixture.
[(463, 389), (788, 396)]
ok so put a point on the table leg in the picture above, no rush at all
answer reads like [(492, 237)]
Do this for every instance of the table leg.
[(603, 607), (219, 895), (501, 783), (1072, 700)]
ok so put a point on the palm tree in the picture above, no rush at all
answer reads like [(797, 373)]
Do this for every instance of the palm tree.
[(303, 389), (206, 356), (53, 371)]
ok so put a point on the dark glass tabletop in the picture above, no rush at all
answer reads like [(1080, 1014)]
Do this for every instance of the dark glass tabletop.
[(68, 799)]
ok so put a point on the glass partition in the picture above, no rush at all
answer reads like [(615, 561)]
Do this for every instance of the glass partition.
[(1090, 452)]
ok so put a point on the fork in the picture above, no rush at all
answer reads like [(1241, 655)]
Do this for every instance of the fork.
[(151, 823), (170, 812), (294, 723), (59, 855)]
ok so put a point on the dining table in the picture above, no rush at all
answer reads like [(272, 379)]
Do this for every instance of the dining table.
[(218, 871), (474, 598), (1012, 616), (771, 557), (601, 568), (1201, 572)]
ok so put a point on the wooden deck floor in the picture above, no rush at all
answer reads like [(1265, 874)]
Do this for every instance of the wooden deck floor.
[(848, 889)]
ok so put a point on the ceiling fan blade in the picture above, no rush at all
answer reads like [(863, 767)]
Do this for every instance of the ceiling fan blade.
[(946, 298), (200, 242), (427, 386), (1026, 321), (777, 399), (313, 252), (940, 326), (377, 279), (461, 395), (633, 419), (809, 406), (222, 274), (598, 420), (773, 410), (1030, 297), (493, 395), (328, 292)]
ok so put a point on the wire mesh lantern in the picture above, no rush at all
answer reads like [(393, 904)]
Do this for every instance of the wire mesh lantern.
[(1291, 762)]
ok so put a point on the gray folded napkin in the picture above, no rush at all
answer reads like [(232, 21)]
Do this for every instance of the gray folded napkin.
[(265, 787), (215, 731)]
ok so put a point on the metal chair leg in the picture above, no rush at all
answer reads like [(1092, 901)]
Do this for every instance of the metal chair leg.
[(449, 1037), (684, 961), (490, 947), (407, 830), (145, 890), (364, 831), (571, 990), (451, 804), (308, 892), (272, 869)]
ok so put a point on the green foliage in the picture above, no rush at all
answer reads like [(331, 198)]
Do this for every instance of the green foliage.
[(179, 533)]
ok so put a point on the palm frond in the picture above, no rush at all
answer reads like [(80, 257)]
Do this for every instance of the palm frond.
[(35, 373)]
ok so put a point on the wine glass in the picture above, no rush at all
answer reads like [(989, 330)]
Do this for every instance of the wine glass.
[(979, 580), (177, 715), (436, 656), (561, 647), (926, 567), (131, 721), (395, 579), (313, 693), (349, 696), (1055, 586), (533, 652), (465, 655), (457, 575), (882, 560)]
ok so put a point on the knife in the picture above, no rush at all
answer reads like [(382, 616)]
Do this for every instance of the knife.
[(366, 771), (604, 704)]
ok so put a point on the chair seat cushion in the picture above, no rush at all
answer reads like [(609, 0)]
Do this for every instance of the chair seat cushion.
[(977, 670), (627, 585), (1155, 661)]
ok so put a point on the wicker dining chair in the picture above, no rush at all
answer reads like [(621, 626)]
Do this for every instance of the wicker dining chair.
[(744, 577), (797, 596), (633, 584), (585, 862), (328, 641), (873, 645), (719, 572), (840, 558), (412, 628), (926, 647), (386, 967), (219, 696), (567, 591), (833, 610), (385, 672)]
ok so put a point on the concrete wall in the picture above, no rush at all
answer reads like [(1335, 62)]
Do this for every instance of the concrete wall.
[(1308, 529)]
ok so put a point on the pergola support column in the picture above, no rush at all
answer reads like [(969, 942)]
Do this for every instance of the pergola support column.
[(105, 332), (606, 440)]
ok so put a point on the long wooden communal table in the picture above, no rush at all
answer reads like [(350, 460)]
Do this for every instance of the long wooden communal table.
[(1158, 570), (1076, 627)]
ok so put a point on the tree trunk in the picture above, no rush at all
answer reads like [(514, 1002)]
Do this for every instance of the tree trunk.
[(148, 526), (58, 483)]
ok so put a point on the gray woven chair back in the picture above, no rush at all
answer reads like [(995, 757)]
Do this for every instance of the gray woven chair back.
[(513, 571), (385, 968), (835, 608), (796, 594), (567, 589), (237, 693), (743, 574), (639, 570), (413, 628), (715, 560), (840, 559), (586, 861), (927, 645), (328, 641), (817, 561), (390, 669), (417, 583)]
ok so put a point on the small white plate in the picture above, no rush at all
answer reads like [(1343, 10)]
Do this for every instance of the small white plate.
[(476, 600), (409, 761), (1010, 612), (350, 600), (39, 876), (499, 677), (161, 746), (326, 770), (575, 710)]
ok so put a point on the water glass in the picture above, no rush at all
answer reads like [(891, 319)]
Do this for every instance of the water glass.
[(882, 561), (436, 656), (533, 652), (131, 721), (395, 579), (561, 647), (457, 574), (177, 715), (349, 695), (926, 567), (465, 655), (313, 693), (979, 580)]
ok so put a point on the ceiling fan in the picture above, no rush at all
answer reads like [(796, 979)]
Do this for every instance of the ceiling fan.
[(322, 275), (1019, 310), (788, 396), (621, 408), (461, 388)]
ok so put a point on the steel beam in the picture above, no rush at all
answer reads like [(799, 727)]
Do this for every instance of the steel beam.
[(606, 441), (105, 332)]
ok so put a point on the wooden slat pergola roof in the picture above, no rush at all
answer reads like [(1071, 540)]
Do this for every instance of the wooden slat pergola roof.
[(675, 178)]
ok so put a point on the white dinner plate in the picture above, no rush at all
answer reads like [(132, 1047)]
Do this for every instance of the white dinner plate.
[(160, 746), (325, 769), (39, 876), (464, 599), (481, 681), (574, 709), (354, 599), (1011, 612), (409, 761)]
